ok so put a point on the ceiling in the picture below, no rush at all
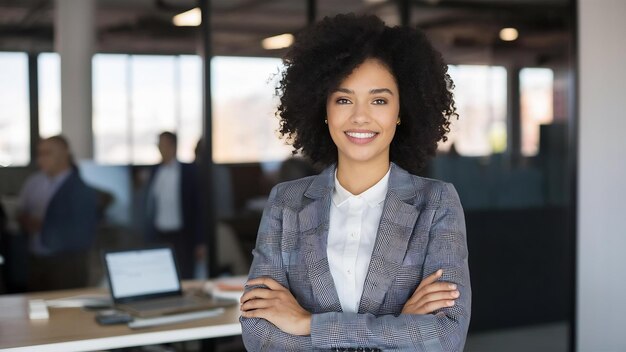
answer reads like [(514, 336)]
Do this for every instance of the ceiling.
[(465, 30)]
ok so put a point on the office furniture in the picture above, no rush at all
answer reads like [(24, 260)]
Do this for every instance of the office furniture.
[(75, 329)]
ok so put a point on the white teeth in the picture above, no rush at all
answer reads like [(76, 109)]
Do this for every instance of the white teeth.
[(361, 134)]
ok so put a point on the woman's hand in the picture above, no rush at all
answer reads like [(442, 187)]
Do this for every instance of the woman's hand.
[(431, 295), (277, 305)]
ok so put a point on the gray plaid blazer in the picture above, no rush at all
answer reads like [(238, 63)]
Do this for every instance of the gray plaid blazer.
[(422, 229)]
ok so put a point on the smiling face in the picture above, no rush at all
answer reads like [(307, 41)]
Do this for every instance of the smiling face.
[(362, 114)]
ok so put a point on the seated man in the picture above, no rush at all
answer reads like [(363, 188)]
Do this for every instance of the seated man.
[(59, 213)]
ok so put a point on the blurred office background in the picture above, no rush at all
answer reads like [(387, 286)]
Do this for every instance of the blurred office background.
[(111, 75)]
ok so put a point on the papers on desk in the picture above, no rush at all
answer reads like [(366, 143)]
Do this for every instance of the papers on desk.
[(80, 301), (230, 288), (37, 309)]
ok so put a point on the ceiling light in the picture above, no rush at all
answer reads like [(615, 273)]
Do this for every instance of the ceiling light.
[(508, 34), (190, 18), (277, 42)]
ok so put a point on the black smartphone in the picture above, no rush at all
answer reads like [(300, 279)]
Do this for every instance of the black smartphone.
[(113, 316)]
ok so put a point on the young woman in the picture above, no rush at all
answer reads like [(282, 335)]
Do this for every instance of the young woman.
[(364, 256)]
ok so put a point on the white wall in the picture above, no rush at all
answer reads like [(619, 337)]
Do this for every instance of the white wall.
[(601, 306)]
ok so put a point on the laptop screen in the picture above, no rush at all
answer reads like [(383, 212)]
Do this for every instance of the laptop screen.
[(142, 272)]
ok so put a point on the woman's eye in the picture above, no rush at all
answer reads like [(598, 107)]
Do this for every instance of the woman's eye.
[(343, 101), (379, 102)]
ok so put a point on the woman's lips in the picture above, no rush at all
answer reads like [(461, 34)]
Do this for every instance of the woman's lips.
[(361, 137)]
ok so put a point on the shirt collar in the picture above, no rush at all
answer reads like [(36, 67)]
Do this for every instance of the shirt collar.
[(173, 164), (373, 196), (60, 177)]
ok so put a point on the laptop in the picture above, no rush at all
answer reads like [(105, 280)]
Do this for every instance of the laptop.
[(145, 283)]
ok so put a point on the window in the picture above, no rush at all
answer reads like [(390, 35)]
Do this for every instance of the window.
[(480, 97), (244, 103), (536, 104), (153, 108), (110, 109), (49, 75), (190, 101), (136, 97), (14, 110)]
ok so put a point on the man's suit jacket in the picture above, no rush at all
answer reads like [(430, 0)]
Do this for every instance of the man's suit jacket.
[(71, 217), (422, 229)]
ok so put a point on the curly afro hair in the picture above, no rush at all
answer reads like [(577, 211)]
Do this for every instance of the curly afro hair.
[(325, 54)]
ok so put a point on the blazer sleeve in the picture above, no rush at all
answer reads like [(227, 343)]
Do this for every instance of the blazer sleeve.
[(259, 334), (443, 330)]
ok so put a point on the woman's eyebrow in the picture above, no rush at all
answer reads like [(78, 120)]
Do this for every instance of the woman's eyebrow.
[(372, 91), (343, 90), (381, 90)]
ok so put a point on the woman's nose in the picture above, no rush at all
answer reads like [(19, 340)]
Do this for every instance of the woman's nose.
[(361, 114)]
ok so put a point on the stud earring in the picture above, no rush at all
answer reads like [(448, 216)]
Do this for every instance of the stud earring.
[(398, 122), (326, 121)]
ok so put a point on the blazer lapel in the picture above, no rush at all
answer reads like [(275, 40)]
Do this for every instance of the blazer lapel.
[(394, 231), (313, 227)]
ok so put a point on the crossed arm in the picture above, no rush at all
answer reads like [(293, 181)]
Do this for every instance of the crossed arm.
[(275, 303), (435, 318)]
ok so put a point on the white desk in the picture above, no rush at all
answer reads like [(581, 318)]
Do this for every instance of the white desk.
[(73, 329)]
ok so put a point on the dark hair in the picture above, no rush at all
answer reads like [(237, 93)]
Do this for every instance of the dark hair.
[(60, 140), (171, 136), (326, 53), (65, 144)]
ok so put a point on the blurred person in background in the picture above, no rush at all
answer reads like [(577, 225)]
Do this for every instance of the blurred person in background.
[(58, 212), (173, 209)]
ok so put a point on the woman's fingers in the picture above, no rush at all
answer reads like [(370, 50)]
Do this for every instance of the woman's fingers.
[(430, 279), (257, 293), (437, 296), (438, 287), (431, 295), (261, 292), (267, 282), (271, 301), (257, 304), (433, 306), (433, 287), (425, 309)]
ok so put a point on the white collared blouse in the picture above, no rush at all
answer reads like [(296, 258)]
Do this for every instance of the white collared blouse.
[(353, 226)]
